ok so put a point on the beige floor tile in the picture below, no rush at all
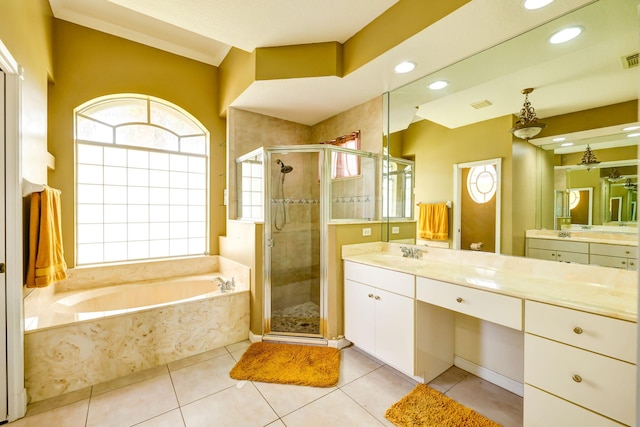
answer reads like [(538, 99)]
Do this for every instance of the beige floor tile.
[(334, 409), (238, 354), (492, 401), (202, 379), (276, 423), (285, 398), (354, 364), (448, 379), (132, 404), (233, 407), (169, 419), (128, 380), (378, 390), (72, 415), (197, 358), (59, 401), (242, 345)]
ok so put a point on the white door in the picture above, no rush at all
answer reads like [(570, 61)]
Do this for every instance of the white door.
[(3, 245)]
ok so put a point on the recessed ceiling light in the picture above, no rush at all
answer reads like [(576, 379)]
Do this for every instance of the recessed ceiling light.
[(633, 135), (535, 4), (565, 35), (439, 84), (630, 128), (559, 139), (566, 144), (405, 67)]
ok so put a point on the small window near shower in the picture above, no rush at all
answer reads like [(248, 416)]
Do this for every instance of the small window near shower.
[(344, 165), (250, 177)]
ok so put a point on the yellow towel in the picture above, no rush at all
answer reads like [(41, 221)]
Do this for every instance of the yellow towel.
[(433, 221), (46, 256)]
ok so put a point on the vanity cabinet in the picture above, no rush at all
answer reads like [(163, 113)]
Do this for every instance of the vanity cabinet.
[(618, 256), (577, 368), (379, 313), (558, 250)]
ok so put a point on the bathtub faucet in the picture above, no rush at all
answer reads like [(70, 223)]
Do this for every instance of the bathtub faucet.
[(225, 285)]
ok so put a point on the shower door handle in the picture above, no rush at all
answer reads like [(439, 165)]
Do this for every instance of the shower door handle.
[(270, 243)]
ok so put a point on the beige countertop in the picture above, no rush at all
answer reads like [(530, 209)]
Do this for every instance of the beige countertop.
[(611, 238), (606, 291)]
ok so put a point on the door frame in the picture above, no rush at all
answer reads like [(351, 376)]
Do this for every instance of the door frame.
[(457, 192), (16, 392)]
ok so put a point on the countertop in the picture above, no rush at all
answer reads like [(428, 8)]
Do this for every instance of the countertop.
[(611, 238), (600, 290)]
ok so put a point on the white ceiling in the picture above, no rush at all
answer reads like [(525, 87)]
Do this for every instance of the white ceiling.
[(205, 30)]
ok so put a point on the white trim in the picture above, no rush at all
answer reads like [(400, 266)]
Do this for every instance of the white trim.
[(457, 191), (254, 338), (487, 374), (16, 392), (339, 343)]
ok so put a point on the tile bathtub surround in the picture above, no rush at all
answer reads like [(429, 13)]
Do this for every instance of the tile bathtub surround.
[(70, 357), (192, 392)]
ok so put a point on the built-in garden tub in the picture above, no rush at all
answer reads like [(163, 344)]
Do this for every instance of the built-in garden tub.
[(106, 322)]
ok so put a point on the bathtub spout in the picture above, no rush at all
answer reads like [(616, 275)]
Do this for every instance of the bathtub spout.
[(225, 285)]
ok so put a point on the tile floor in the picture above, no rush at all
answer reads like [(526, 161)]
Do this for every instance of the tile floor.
[(197, 391)]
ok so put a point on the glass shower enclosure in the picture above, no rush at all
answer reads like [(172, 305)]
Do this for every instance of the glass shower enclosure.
[(297, 191)]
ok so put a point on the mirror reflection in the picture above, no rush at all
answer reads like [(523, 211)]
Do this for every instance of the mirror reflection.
[(585, 93)]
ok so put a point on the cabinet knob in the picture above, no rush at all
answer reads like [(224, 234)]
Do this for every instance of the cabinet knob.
[(559, 255), (577, 378), (578, 330), (459, 299), (370, 295), (377, 297)]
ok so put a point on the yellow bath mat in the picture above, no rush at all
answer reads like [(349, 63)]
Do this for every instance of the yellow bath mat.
[(289, 364), (427, 407)]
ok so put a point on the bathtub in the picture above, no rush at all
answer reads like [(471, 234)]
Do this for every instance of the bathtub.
[(78, 333)]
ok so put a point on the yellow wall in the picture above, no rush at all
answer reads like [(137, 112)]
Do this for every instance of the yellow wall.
[(25, 29), (91, 64), (435, 149), (307, 60), (610, 115)]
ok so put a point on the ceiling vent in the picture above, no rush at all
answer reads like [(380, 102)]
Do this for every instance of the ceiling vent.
[(481, 104), (630, 61)]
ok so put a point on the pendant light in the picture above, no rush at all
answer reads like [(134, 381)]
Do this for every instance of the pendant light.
[(527, 125)]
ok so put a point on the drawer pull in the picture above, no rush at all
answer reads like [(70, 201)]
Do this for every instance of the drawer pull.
[(578, 330), (577, 378), (377, 297), (459, 299), (370, 295)]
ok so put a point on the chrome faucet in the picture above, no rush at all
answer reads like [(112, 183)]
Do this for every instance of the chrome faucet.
[(225, 285), (412, 252), (563, 233)]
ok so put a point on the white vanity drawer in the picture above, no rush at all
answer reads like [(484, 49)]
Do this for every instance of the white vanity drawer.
[(389, 280), (500, 309), (612, 261), (604, 335), (596, 382), (614, 250), (542, 409)]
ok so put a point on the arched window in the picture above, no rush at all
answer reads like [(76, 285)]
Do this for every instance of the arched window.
[(141, 181)]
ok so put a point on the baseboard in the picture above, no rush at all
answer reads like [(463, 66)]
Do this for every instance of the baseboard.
[(339, 343), (489, 375), (254, 338)]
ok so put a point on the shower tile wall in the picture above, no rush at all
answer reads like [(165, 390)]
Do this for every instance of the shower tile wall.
[(354, 198)]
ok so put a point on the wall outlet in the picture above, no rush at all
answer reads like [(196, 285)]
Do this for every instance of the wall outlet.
[(395, 230), (366, 231)]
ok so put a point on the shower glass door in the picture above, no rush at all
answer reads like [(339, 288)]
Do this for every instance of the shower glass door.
[(293, 224)]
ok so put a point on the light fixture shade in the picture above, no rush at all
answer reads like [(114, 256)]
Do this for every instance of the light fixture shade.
[(527, 125), (589, 159)]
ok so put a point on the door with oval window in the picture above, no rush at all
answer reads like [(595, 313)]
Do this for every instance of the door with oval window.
[(477, 209)]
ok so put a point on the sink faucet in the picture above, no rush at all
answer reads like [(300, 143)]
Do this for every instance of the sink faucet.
[(408, 252), (563, 233), (225, 285)]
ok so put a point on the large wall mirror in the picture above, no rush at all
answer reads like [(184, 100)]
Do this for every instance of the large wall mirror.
[(585, 91)]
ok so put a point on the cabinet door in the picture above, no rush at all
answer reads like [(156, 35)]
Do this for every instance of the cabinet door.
[(359, 321), (549, 255), (581, 258), (608, 261), (395, 322)]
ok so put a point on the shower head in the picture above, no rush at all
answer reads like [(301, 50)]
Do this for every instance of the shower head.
[(283, 167)]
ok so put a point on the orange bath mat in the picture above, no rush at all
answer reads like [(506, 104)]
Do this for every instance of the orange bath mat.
[(427, 407), (289, 364)]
